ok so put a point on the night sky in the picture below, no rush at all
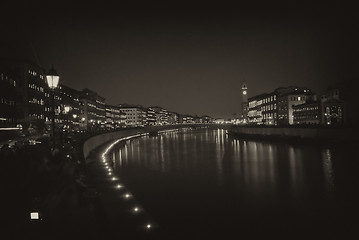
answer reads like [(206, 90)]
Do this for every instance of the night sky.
[(188, 58)]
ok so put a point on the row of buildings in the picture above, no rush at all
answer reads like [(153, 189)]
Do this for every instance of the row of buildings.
[(26, 102), (293, 106)]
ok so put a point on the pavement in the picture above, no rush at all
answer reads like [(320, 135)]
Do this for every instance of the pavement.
[(114, 213), (91, 207)]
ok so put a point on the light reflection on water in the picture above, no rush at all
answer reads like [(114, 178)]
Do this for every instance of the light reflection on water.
[(227, 177)]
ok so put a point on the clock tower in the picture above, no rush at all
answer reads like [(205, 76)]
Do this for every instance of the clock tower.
[(244, 104)]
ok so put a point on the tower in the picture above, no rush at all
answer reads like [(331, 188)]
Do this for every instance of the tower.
[(244, 104)]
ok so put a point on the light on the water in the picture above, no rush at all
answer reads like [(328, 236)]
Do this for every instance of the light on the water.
[(119, 186), (148, 226)]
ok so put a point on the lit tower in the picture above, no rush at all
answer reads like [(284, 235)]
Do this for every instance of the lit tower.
[(244, 104)]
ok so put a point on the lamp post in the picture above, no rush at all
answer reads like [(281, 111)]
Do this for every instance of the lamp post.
[(52, 79)]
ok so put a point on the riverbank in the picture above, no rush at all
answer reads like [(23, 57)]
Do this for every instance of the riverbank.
[(36, 179), (311, 135), (114, 214)]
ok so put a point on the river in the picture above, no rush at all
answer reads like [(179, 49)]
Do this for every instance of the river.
[(202, 183)]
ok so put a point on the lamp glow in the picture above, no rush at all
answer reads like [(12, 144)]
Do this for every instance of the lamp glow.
[(52, 78), (67, 109), (34, 215)]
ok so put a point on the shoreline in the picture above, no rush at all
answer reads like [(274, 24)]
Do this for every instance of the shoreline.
[(298, 135)]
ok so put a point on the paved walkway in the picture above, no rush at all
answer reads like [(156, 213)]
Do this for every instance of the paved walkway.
[(115, 214), (93, 208)]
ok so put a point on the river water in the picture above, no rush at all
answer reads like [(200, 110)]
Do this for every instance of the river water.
[(202, 183)]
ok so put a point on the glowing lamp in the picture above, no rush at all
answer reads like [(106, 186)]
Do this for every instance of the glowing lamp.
[(34, 215), (67, 109), (52, 78)]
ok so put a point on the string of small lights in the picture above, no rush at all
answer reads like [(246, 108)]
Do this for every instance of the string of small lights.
[(118, 185), (128, 196)]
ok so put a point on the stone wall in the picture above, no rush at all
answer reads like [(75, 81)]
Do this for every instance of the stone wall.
[(297, 133)]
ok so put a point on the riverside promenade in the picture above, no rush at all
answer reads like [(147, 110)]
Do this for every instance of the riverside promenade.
[(114, 214), (74, 196)]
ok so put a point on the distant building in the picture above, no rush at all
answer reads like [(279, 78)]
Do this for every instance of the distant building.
[(68, 111), (185, 119), (328, 110), (115, 118), (262, 109), (207, 119), (173, 118), (135, 115), (276, 108), (219, 120), (93, 112), (161, 115), (287, 98), (308, 113), (189, 119), (197, 119), (150, 116)]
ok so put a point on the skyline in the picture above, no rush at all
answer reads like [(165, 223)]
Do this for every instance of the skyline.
[(187, 60)]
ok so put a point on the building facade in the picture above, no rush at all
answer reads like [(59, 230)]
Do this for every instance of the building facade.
[(276, 108), (115, 118), (328, 110), (262, 109), (288, 98), (68, 110), (173, 118), (150, 116), (8, 100), (93, 112), (135, 115), (32, 96), (161, 115)]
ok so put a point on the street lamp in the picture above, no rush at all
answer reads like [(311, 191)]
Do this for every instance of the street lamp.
[(52, 79)]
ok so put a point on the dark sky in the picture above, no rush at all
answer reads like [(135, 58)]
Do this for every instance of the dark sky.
[(188, 58)]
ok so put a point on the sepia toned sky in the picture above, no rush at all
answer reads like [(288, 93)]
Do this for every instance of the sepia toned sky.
[(188, 58)]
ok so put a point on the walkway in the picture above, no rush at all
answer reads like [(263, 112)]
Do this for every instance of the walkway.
[(115, 214)]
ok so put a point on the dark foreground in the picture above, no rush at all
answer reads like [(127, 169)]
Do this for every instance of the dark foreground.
[(80, 201)]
